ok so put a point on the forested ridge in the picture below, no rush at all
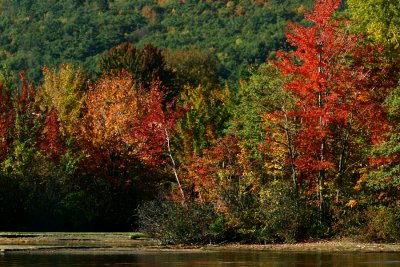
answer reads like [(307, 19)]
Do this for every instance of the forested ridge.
[(201, 121), (235, 33)]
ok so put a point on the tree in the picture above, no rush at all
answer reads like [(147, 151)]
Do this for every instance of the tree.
[(204, 119), (192, 67), (324, 80), (222, 175), (62, 93), (110, 106), (262, 120), (23, 132), (126, 124), (145, 66), (385, 177), (380, 19), (6, 120)]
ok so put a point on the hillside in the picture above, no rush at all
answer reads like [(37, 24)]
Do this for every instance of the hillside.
[(50, 32)]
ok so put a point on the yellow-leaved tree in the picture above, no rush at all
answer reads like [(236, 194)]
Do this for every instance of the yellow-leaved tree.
[(63, 91), (380, 19)]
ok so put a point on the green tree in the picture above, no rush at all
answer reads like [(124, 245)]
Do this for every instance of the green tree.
[(192, 67), (380, 19), (259, 99), (204, 120), (144, 65), (386, 179)]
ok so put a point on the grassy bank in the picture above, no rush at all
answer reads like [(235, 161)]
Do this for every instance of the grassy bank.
[(132, 242), (54, 241)]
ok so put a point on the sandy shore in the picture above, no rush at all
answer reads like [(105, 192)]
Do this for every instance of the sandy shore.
[(122, 243)]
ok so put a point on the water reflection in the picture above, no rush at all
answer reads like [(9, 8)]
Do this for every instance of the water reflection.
[(203, 259)]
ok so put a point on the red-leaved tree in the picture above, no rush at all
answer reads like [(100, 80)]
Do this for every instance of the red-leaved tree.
[(329, 101), (6, 120)]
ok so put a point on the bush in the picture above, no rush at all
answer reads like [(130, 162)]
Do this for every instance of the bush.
[(383, 224), (174, 223), (285, 216), (276, 215), (372, 224), (349, 221)]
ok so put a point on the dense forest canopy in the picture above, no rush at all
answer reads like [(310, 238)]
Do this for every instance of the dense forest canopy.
[(201, 121), (49, 32)]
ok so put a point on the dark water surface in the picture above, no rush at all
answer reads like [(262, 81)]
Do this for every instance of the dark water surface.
[(197, 259)]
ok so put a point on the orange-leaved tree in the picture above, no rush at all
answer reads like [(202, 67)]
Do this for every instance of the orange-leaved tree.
[(126, 124), (223, 175)]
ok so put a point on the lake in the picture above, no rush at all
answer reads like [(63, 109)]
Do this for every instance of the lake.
[(235, 258)]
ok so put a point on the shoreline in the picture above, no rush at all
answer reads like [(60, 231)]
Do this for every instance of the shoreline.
[(123, 243)]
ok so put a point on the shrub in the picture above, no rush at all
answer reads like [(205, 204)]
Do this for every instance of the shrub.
[(277, 215), (383, 224), (372, 224), (174, 223), (349, 221), (286, 218)]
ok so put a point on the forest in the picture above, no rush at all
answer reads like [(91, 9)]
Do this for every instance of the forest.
[(48, 33), (286, 133)]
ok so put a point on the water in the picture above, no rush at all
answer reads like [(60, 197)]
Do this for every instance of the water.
[(203, 259)]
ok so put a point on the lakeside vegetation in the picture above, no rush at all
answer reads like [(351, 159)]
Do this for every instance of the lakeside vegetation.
[(193, 146)]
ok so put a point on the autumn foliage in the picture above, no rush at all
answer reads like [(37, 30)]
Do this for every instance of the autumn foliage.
[(332, 107), (6, 119), (300, 145), (125, 119)]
